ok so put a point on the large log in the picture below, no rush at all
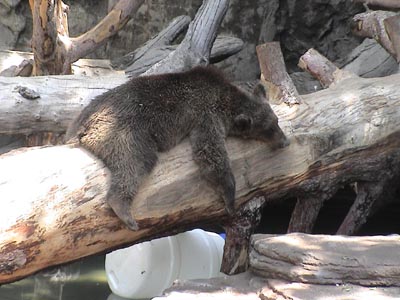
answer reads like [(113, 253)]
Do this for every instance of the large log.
[(53, 208), (322, 259)]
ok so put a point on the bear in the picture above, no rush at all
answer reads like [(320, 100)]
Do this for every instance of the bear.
[(127, 127)]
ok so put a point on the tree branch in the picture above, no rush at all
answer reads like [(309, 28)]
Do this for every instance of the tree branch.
[(108, 26), (196, 46), (54, 51)]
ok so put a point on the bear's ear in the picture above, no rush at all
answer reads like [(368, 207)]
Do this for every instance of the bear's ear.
[(260, 92), (243, 122)]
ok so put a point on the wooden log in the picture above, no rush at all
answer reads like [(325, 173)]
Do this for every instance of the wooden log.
[(223, 47), (273, 70), (370, 59), (322, 68), (61, 100), (196, 46), (392, 26), (306, 212), (9, 60), (164, 38), (321, 259), (370, 196), (238, 232), (371, 24), (54, 209), (54, 51)]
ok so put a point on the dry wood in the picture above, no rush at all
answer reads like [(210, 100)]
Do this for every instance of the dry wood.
[(392, 26), (54, 51), (61, 99), (306, 212), (54, 209), (370, 59), (280, 85), (196, 46), (164, 38), (238, 232), (371, 24), (88, 67), (322, 259), (223, 47), (370, 195), (322, 68)]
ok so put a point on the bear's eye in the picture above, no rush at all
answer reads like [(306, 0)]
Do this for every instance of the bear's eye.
[(243, 122)]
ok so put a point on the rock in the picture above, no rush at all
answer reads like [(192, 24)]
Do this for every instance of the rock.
[(247, 286), (244, 286), (324, 259), (11, 23), (301, 291)]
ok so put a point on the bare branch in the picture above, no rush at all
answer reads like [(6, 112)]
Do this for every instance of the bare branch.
[(114, 21), (196, 46)]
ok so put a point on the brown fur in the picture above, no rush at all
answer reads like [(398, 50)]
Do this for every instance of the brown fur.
[(126, 127)]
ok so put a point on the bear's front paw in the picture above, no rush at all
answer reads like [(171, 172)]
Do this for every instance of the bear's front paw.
[(123, 211)]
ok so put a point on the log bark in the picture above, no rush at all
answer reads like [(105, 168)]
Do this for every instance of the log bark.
[(238, 232), (371, 24), (274, 75), (11, 61), (392, 25), (196, 46), (222, 48), (160, 47), (321, 68), (54, 209), (319, 259), (61, 100), (54, 51), (370, 59), (164, 38)]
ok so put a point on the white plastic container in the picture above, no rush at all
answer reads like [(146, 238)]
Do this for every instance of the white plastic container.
[(145, 270)]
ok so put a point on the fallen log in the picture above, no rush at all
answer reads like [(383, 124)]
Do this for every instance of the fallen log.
[(322, 259), (53, 197)]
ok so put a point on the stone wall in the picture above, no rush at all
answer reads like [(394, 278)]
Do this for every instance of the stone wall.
[(298, 24)]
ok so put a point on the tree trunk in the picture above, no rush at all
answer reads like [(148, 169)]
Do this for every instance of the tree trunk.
[(323, 259), (54, 209), (54, 51)]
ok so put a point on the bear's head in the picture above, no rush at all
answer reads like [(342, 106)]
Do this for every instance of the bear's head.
[(253, 118)]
